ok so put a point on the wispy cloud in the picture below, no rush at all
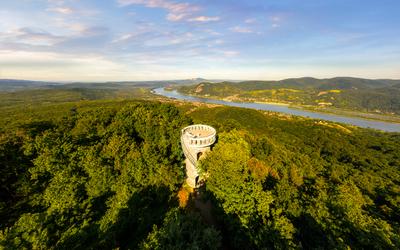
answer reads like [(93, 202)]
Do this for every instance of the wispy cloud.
[(275, 25), (212, 32), (240, 29), (250, 20), (122, 38), (205, 19), (56, 66), (230, 53), (70, 26), (61, 10), (59, 2), (30, 36), (276, 21), (89, 40), (67, 8), (176, 11)]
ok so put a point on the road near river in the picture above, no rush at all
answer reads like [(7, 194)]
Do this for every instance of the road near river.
[(364, 123)]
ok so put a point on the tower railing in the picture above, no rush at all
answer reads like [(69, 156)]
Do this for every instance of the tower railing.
[(203, 141)]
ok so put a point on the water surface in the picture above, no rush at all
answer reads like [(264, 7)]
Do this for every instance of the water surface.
[(364, 123)]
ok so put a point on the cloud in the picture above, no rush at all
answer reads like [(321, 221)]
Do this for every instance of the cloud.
[(275, 25), (75, 27), (61, 10), (64, 8), (58, 2), (250, 20), (204, 19), (276, 20), (94, 31), (212, 32), (176, 17), (90, 39), (240, 29), (176, 11), (55, 66), (230, 53), (122, 38), (31, 37)]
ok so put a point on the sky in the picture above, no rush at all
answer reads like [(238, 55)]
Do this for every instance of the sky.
[(126, 40)]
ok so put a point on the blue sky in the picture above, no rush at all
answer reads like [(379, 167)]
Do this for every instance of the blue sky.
[(106, 40)]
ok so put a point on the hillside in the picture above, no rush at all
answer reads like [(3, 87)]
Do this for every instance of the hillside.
[(107, 174), (13, 85), (375, 96)]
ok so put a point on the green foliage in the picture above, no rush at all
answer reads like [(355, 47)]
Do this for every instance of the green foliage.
[(240, 196), (290, 183), (88, 173), (105, 175), (230, 181), (39, 105), (182, 231)]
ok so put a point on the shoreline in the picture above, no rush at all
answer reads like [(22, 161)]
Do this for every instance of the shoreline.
[(351, 114), (333, 111)]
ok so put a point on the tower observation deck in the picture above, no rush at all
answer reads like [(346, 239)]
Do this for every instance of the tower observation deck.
[(196, 141)]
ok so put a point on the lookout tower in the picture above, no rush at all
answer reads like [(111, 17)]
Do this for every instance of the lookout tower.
[(196, 141)]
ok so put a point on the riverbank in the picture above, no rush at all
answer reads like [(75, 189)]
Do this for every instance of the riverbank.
[(352, 113), (327, 110), (287, 109)]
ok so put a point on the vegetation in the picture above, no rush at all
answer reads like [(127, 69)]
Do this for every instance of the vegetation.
[(108, 174), (95, 175), (291, 183), (35, 105), (376, 96)]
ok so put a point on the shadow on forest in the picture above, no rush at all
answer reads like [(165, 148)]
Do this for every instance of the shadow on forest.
[(310, 233), (36, 128), (146, 208), (13, 168)]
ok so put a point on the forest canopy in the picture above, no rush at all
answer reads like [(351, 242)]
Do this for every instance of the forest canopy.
[(107, 175)]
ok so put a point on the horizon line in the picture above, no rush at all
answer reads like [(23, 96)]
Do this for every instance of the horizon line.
[(187, 79)]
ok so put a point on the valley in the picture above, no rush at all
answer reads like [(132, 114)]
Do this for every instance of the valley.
[(101, 171)]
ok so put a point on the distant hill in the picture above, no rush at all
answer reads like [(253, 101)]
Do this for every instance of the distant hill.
[(379, 96), (14, 85), (310, 83)]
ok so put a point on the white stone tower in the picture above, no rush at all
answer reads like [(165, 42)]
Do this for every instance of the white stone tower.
[(196, 141)]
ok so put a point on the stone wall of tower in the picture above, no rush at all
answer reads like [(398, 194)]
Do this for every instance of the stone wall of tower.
[(191, 170), (191, 174)]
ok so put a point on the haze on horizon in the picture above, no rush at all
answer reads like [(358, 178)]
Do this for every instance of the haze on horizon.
[(68, 40)]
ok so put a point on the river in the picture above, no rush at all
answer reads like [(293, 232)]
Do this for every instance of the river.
[(364, 123)]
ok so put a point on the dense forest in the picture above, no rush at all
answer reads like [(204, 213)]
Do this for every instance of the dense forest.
[(110, 175), (375, 96)]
